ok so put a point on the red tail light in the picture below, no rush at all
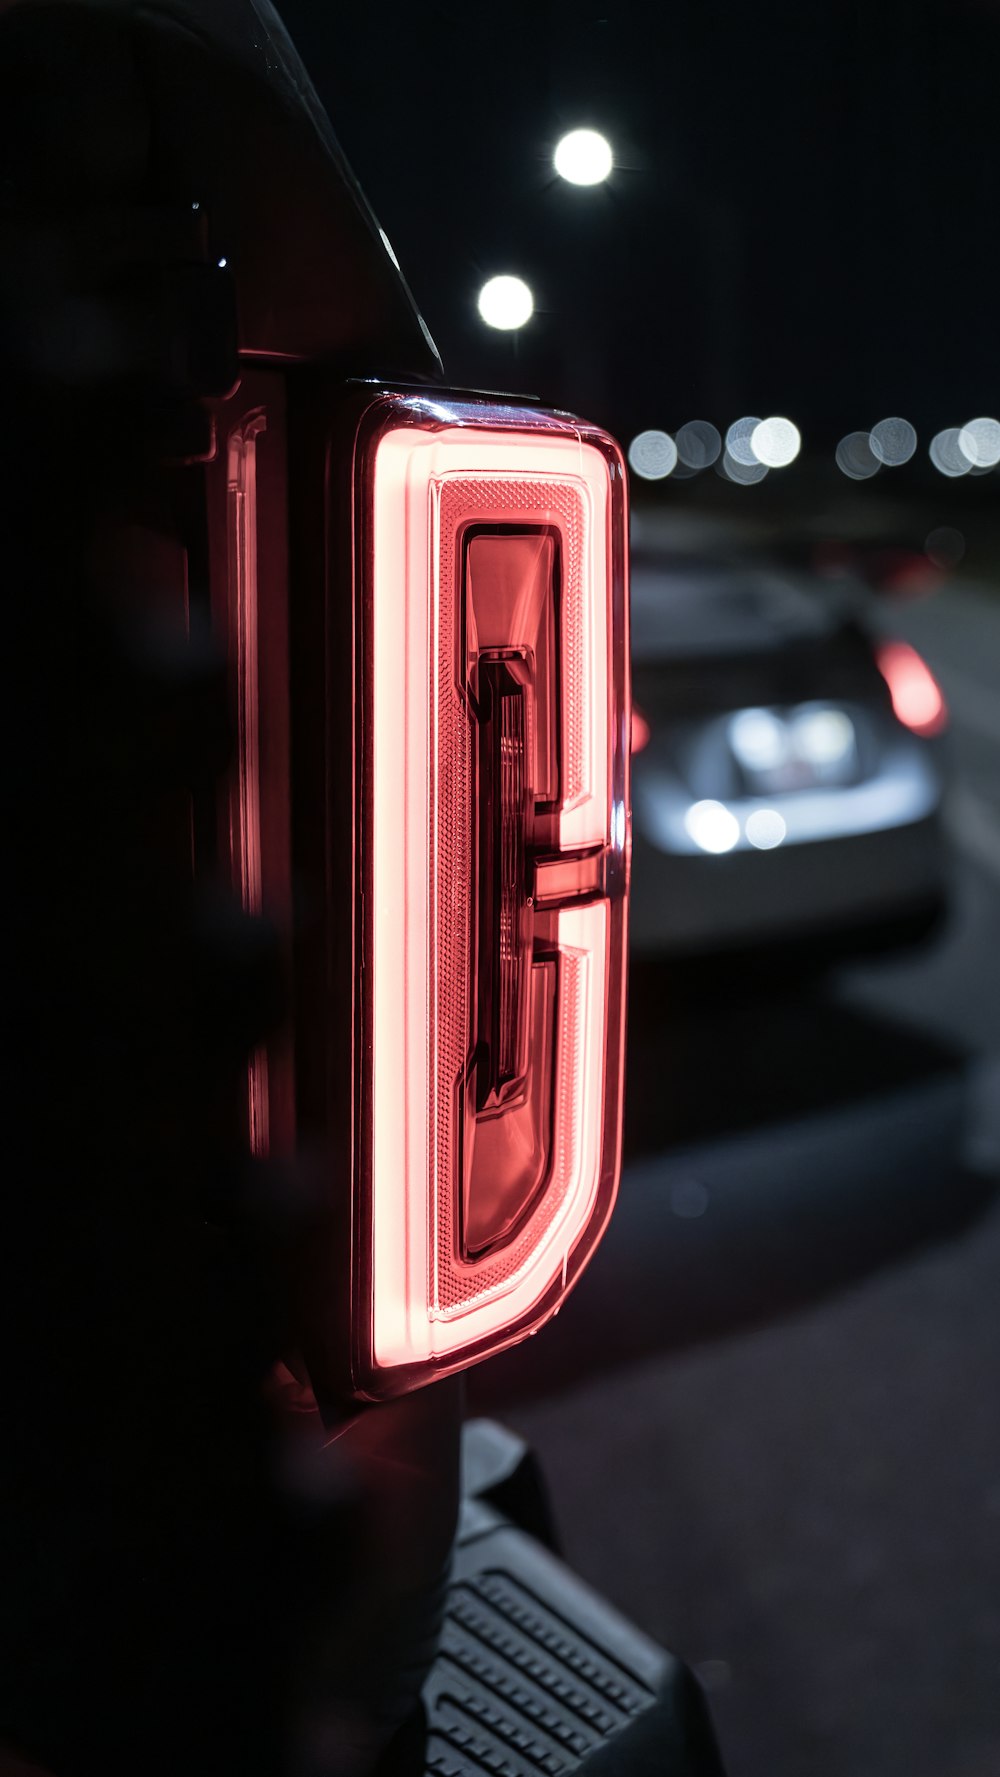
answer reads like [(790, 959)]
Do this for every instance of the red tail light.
[(917, 698), (492, 729), (433, 745)]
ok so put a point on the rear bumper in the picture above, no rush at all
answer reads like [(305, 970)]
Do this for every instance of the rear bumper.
[(536, 1672), (691, 905)]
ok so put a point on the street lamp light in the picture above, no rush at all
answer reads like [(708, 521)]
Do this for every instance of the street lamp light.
[(506, 302), (584, 157)]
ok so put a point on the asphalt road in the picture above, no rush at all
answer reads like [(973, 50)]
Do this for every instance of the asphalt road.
[(770, 1417)]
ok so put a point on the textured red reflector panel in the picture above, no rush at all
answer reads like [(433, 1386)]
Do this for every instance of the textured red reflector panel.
[(492, 843)]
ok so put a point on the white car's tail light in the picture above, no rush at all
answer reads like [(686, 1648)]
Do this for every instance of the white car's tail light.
[(491, 853), (917, 699), (642, 733)]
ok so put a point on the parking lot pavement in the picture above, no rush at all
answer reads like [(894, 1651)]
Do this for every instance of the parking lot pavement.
[(769, 1416), (810, 1514)]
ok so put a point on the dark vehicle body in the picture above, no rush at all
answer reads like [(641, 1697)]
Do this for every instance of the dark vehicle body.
[(212, 1561)]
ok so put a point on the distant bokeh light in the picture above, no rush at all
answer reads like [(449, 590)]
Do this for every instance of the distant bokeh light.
[(856, 458), (979, 440), (738, 443), (744, 474), (584, 157), (652, 455), (699, 444), (944, 546), (893, 441), (776, 442), (712, 826), (506, 302), (946, 453)]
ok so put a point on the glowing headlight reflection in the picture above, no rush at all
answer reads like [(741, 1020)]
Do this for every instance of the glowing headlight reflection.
[(712, 827)]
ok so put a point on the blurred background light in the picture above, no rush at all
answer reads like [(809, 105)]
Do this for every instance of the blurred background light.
[(766, 828), (823, 736), (745, 474), (776, 442), (944, 546), (584, 157), (699, 444), (916, 695), (893, 442), (946, 453), (652, 455), (641, 731), (506, 302), (759, 740), (979, 440), (712, 826), (738, 443), (856, 458)]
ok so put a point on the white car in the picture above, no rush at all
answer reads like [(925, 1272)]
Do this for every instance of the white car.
[(787, 767)]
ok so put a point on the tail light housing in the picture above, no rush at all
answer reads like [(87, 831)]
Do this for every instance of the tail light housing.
[(492, 739), (458, 756)]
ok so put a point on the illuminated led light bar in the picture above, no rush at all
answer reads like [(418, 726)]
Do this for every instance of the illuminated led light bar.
[(492, 743)]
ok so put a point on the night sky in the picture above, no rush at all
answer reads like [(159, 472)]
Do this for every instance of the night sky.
[(803, 218)]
